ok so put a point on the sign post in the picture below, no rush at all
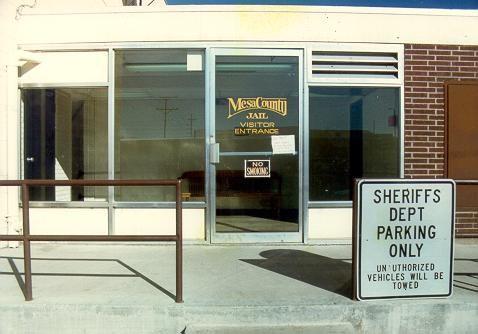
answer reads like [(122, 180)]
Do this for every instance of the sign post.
[(403, 238)]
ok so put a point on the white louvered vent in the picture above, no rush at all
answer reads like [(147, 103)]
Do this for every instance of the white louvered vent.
[(330, 65)]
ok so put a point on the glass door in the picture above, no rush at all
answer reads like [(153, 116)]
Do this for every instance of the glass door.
[(254, 146)]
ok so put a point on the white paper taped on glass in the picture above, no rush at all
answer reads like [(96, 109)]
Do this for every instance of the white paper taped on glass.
[(283, 144)]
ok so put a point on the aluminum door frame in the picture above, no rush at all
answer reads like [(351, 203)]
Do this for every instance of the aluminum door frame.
[(249, 237)]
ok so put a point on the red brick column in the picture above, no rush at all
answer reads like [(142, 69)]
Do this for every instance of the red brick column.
[(427, 67)]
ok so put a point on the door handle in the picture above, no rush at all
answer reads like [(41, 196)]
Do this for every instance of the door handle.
[(214, 153), (30, 159)]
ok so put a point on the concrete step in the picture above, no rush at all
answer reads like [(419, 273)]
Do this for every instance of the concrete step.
[(391, 317), (338, 328)]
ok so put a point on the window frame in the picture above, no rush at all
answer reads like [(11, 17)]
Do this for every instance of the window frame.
[(21, 144), (111, 121), (207, 46), (110, 48), (310, 82)]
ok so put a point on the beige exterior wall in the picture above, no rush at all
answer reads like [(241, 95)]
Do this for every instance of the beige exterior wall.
[(94, 221), (160, 221), (332, 224), (96, 24), (248, 23), (8, 119), (84, 221)]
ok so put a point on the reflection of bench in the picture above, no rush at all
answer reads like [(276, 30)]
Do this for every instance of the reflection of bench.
[(232, 183)]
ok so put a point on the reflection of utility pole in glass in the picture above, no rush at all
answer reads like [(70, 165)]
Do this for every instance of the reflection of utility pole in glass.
[(165, 110), (191, 119)]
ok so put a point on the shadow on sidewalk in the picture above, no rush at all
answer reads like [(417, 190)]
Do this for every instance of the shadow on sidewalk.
[(466, 280), (134, 272), (323, 272)]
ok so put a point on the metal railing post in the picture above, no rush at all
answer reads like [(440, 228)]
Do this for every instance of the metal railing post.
[(27, 260), (179, 244)]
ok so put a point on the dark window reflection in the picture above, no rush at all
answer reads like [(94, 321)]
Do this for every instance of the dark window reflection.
[(65, 138), (354, 132)]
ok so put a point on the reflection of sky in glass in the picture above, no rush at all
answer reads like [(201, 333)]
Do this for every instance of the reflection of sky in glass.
[(452, 4)]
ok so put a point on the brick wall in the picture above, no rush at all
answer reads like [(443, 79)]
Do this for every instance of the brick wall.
[(467, 222), (427, 67)]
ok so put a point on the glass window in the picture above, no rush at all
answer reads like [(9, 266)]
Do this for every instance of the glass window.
[(354, 132), (65, 138), (159, 121)]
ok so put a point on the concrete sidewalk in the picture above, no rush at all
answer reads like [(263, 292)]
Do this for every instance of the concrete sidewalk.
[(227, 289)]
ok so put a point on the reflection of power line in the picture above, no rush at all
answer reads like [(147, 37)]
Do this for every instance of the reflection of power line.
[(165, 110), (191, 119)]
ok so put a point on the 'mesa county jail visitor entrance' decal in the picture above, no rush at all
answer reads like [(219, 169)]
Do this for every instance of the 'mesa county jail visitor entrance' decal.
[(403, 242), (256, 114)]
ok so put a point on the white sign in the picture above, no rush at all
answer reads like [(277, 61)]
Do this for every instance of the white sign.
[(283, 144), (194, 61), (403, 239)]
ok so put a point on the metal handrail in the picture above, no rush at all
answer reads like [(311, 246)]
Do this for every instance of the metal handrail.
[(26, 237)]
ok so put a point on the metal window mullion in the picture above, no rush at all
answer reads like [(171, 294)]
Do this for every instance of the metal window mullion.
[(46, 85), (210, 139), (305, 146), (21, 137), (207, 140), (401, 76), (301, 206), (111, 139)]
